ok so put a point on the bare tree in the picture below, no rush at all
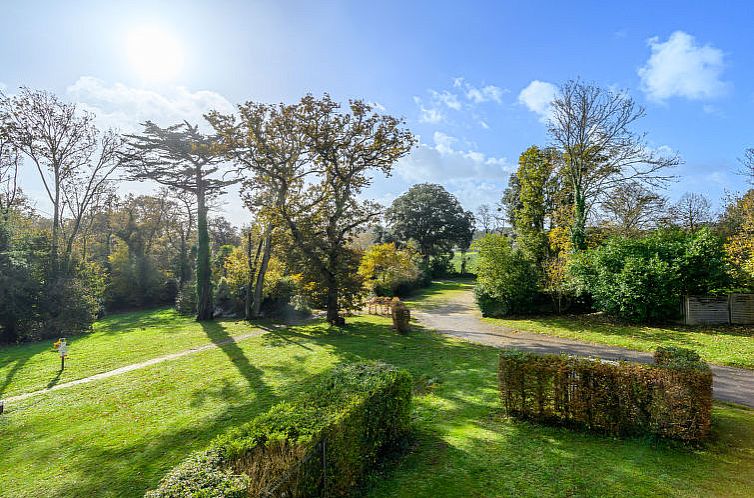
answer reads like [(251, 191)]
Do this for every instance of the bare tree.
[(9, 189), (692, 211), (485, 216), (183, 159), (592, 127), (74, 160), (748, 164), (632, 207)]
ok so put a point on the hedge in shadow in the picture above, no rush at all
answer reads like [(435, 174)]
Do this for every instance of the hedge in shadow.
[(670, 399), (321, 445)]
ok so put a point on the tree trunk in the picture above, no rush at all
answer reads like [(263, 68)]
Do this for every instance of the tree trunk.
[(204, 307), (578, 230), (259, 286), (249, 308), (333, 316)]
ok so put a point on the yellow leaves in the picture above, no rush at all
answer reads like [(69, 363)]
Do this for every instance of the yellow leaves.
[(739, 248), (389, 265)]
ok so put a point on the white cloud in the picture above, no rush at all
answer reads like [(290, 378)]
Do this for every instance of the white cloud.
[(125, 108), (434, 108), (472, 176), (430, 115), (679, 67), (487, 93), (538, 97), (448, 99), (442, 161)]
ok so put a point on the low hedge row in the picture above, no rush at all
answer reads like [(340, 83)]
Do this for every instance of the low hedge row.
[(672, 398), (329, 439)]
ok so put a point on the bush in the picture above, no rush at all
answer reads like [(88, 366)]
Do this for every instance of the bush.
[(185, 301), (278, 295), (507, 282), (671, 399), (643, 280), (350, 418), (389, 271)]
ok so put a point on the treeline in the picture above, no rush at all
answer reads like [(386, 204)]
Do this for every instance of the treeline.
[(301, 169), (592, 230)]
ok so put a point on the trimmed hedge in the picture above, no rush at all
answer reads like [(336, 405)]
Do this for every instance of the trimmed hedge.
[(671, 399), (352, 417)]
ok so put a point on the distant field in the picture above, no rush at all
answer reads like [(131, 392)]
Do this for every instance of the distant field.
[(471, 261)]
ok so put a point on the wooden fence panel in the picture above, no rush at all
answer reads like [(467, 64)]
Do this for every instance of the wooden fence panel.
[(707, 310), (742, 309)]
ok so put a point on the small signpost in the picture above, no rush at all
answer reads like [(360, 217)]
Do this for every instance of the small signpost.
[(62, 346)]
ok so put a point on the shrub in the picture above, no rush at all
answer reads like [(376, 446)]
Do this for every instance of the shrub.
[(185, 301), (643, 280), (671, 399), (401, 316), (350, 418), (389, 271), (507, 282), (278, 295)]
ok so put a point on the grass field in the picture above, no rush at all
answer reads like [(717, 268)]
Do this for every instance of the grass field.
[(118, 340), (471, 260), (118, 436), (722, 345)]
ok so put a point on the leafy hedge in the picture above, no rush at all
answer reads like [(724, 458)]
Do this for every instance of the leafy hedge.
[(671, 399), (507, 282), (644, 279), (354, 415)]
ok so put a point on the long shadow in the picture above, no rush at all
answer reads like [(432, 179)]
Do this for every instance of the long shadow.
[(19, 355), (220, 337), (55, 379)]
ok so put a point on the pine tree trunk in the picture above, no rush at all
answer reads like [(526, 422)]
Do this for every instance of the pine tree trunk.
[(204, 306)]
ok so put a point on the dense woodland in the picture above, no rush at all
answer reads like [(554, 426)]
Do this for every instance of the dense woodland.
[(582, 216)]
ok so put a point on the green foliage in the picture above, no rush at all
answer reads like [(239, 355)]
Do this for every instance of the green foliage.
[(223, 295), (643, 279), (668, 400), (432, 217), (134, 281), (202, 475), (185, 301), (537, 187), (359, 410), (389, 271), (506, 280), (74, 301)]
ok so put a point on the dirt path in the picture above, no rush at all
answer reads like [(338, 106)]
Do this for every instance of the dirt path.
[(459, 316), (135, 366)]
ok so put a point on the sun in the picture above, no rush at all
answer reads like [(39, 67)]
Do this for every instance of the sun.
[(154, 53)]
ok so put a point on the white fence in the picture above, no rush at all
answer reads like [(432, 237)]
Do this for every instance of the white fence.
[(737, 309)]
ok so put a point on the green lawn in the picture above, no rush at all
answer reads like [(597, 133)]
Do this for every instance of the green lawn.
[(118, 340), (439, 293), (722, 345), (471, 261), (117, 437)]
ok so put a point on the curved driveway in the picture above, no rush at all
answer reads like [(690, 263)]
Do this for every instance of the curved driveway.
[(458, 315)]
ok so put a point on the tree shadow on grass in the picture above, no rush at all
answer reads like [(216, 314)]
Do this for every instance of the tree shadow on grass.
[(220, 337), (18, 355)]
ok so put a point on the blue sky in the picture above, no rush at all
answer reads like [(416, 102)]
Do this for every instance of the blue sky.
[(471, 78)]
